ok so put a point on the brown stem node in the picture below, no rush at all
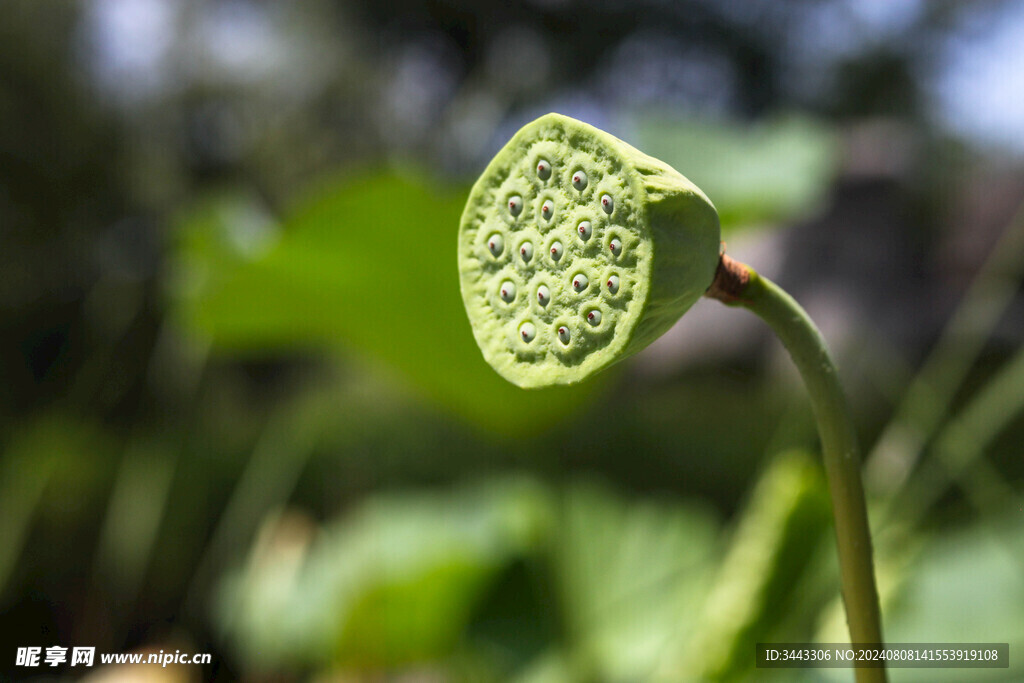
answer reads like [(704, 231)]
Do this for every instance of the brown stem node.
[(730, 281)]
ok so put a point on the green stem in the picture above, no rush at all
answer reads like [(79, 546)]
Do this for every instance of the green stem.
[(810, 354)]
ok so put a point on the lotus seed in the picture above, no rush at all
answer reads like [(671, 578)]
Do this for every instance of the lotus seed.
[(563, 334), (543, 169), (613, 284), (579, 180), (580, 282), (594, 317), (547, 208), (585, 230), (606, 203), (527, 331), (556, 251), (543, 295), (526, 251), (508, 291), (515, 205), (496, 245), (615, 246)]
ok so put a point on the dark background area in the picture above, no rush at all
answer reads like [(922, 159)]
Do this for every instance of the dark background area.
[(241, 411)]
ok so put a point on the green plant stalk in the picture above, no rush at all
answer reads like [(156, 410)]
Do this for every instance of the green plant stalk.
[(738, 285)]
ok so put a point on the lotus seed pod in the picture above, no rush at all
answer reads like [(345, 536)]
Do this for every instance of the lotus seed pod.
[(650, 248)]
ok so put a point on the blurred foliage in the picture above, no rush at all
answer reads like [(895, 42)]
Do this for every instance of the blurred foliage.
[(54, 473), (513, 580), (785, 522), (777, 171), (478, 574), (395, 583), (241, 410), (964, 586), (630, 576)]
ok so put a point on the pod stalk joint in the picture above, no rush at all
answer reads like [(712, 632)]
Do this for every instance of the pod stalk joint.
[(731, 280)]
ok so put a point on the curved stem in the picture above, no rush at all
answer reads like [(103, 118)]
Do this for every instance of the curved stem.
[(737, 284)]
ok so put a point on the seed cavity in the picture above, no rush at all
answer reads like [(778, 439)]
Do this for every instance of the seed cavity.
[(613, 284), (543, 295), (526, 251), (515, 205), (528, 332), (495, 245), (556, 251), (547, 209), (579, 180), (563, 334), (543, 169), (615, 246), (585, 230), (580, 282), (507, 291), (607, 203), (594, 317)]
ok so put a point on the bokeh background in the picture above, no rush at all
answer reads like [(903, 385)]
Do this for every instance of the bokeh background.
[(241, 410)]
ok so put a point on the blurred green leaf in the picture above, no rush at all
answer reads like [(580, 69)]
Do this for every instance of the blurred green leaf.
[(785, 519), (631, 576), (54, 470), (367, 264), (775, 171), (392, 585), (964, 587)]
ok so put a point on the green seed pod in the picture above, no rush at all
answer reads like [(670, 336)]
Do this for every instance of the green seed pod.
[(647, 222)]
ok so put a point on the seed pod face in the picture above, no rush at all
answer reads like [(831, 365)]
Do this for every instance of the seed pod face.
[(646, 222)]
